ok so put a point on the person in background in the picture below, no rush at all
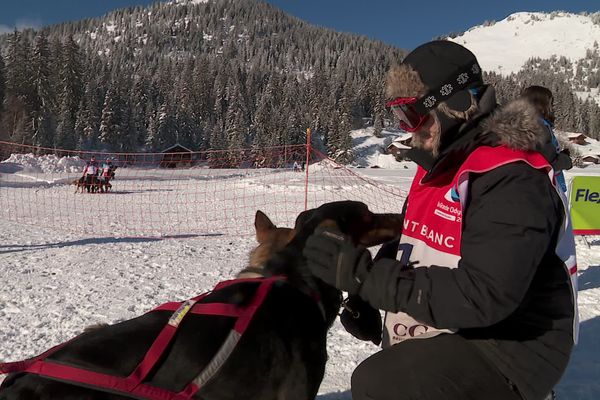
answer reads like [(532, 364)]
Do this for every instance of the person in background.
[(480, 289), (89, 173), (543, 101), (106, 173)]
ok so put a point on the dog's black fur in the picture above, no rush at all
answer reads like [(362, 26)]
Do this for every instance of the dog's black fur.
[(282, 354)]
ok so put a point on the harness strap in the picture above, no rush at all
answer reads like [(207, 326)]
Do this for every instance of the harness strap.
[(104, 382), (132, 385), (232, 339), (19, 366), (223, 309), (160, 343)]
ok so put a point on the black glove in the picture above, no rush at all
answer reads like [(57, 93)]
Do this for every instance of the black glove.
[(361, 320), (332, 257)]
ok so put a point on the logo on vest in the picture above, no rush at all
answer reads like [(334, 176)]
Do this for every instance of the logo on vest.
[(428, 234), (401, 331), (452, 195), (450, 213)]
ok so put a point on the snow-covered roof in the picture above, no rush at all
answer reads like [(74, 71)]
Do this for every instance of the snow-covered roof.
[(399, 145), (176, 145), (403, 137)]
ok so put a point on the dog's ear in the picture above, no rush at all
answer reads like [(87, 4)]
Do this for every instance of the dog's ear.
[(263, 226), (385, 227)]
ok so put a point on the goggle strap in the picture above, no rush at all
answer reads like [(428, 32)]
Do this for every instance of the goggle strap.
[(461, 79)]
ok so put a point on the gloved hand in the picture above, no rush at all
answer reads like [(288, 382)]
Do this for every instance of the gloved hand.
[(332, 257), (361, 320)]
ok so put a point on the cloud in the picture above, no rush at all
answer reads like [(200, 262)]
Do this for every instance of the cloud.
[(25, 23), (21, 24), (5, 29)]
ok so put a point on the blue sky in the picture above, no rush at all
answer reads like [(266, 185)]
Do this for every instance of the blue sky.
[(399, 22)]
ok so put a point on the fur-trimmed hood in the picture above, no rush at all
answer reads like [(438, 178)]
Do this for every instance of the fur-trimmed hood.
[(517, 126), (403, 81)]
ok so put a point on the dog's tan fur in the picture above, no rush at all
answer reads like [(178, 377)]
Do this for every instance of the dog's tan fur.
[(272, 239), (79, 185)]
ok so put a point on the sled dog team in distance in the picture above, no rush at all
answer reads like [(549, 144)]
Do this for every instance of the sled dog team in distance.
[(96, 178), (480, 302)]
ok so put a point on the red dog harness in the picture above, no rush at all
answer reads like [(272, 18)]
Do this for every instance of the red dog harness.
[(132, 385)]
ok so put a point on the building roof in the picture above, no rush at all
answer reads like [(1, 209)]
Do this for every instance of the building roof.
[(398, 145), (405, 136), (176, 148)]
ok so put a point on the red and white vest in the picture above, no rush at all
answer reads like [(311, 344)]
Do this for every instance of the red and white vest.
[(433, 229)]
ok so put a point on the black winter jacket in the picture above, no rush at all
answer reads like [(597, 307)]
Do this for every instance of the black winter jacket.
[(511, 294)]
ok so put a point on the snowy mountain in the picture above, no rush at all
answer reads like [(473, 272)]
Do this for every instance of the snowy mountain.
[(558, 50), (505, 46), (212, 74)]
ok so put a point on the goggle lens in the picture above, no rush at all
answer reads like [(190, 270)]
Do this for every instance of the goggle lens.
[(407, 115)]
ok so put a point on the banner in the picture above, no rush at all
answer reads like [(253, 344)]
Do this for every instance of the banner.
[(585, 205)]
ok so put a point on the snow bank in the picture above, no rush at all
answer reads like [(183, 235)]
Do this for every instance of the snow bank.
[(41, 164)]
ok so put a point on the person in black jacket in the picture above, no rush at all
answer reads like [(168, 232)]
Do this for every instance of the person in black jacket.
[(543, 101), (479, 290)]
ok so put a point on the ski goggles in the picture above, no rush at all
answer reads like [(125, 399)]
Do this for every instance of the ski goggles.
[(406, 112)]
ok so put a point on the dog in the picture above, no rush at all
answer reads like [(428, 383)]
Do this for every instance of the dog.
[(282, 353), (79, 184), (103, 181), (103, 185)]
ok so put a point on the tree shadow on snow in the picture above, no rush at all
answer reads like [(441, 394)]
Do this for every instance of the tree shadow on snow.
[(580, 381), (590, 278), (17, 248)]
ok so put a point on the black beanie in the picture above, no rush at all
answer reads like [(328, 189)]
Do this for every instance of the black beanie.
[(444, 65)]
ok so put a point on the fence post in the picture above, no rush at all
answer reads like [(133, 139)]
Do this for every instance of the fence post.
[(308, 150)]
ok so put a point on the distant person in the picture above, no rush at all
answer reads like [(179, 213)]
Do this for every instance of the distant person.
[(90, 172), (106, 173), (543, 101), (480, 289)]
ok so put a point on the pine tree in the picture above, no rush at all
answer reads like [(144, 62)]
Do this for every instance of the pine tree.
[(152, 142), (217, 142), (593, 112), (186, 117), (112, 118), (43, 98), (378, 107), (139, 97), (18, 76), (71, 92), (17, 116), (167, 134), (2, 85), (236, 127), (23, 128), (65, 130), (87, 125), (344, 153)]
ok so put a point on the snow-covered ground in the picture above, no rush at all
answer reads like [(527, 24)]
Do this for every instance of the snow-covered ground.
[(56, 280)]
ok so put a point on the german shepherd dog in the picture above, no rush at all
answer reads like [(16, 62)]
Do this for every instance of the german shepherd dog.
[(281, 355), (79, 184)]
